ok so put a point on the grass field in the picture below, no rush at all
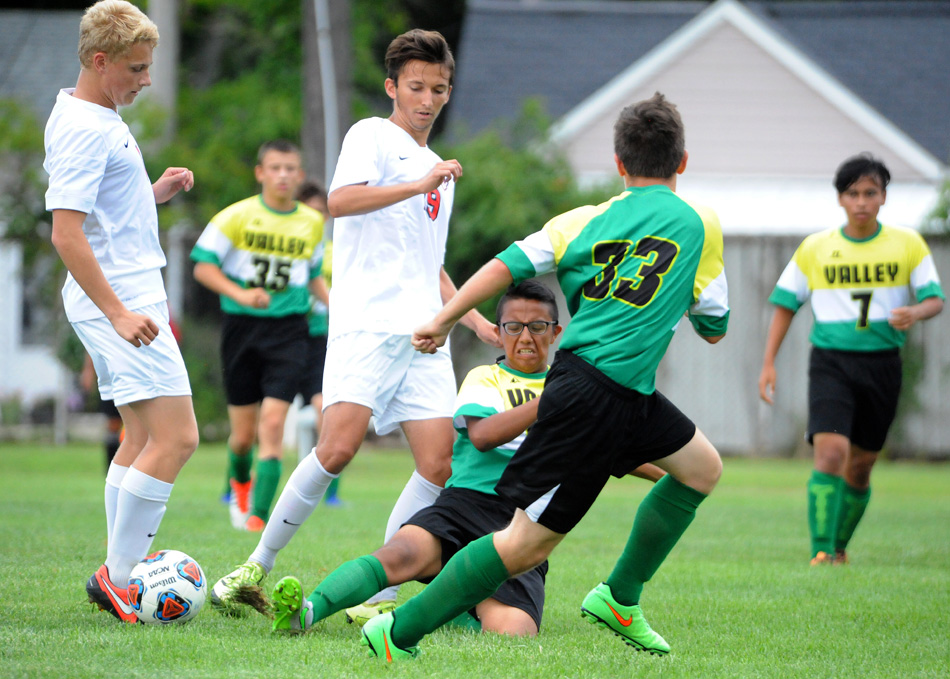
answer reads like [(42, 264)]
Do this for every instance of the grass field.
[(735, 599)]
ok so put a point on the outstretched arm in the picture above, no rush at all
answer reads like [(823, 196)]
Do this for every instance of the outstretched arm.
[(473, 320), (487, 281), (778, 328)]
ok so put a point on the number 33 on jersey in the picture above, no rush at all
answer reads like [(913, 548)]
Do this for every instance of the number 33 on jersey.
[(628, 268), (256, 246)]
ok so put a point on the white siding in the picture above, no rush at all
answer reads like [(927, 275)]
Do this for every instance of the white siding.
[(745, 115)]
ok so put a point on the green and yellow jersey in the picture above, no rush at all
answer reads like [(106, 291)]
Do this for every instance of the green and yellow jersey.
[(488, 390), (318, 319), (855, 284), (629, 269), (256, 246)]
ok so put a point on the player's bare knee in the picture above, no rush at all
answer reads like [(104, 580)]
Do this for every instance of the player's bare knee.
[(399, 561), (271, 428), (858, 470), (437, 475), (436, 467), (334, 455), (186, 443), (241, 442), (830, 454)]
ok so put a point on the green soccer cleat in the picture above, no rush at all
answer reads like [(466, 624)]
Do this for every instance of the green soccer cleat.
[(365, 612), (225, 590), (378, 639), (627, 622), (292, 613)]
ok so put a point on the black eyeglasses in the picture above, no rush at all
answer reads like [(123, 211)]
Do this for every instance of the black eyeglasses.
[(534, 327)]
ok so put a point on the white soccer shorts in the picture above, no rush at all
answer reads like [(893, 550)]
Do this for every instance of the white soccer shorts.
[(384, 373), (128, 374)]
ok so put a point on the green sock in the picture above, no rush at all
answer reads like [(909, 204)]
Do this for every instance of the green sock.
[(332, 491), (661, 519), (265, 486), (823, 500), (853, 503), (469, 577), (465, 621), (352, 583), (239, 466)]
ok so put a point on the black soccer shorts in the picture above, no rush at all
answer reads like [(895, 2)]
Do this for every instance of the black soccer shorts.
[(589, 428), (853, 393), (263, 357), (459, 516)]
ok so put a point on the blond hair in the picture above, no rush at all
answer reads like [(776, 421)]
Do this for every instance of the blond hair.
[(113, 27)]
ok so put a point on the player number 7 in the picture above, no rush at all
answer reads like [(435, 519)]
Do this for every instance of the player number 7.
[(864, 305)]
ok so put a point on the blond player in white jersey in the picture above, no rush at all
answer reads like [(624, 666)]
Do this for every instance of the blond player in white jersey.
[(105, 229), (391, 197)]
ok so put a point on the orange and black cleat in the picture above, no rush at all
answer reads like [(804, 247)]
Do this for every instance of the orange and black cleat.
[(108, 597)]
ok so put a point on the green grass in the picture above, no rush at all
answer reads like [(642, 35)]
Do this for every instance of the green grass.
[(735, 599)]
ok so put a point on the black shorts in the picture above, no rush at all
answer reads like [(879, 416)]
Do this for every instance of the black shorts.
[(854, 394), (107, 408), (459, 516), (589, 428), (313, 373), (263, 357)]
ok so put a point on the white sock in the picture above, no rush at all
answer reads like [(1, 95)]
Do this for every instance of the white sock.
[(417, 495), (139, 511), (113, 481), (298, 499)]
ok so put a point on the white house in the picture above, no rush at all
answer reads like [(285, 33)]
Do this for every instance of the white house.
[(774, 95)]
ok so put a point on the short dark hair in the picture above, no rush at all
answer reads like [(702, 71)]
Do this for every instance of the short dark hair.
[(428, 46), (279, 145), (529, 289), (649, 138), (861, 165), (310, 190)]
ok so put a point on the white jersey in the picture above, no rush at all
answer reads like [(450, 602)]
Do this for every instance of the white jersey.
[(386, 263), (96, 167)]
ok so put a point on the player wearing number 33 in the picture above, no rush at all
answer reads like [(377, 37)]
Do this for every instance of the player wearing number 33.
[(630, 269), (263, 255)]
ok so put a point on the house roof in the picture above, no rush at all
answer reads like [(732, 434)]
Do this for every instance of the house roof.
[(885, 61), (38, 56)]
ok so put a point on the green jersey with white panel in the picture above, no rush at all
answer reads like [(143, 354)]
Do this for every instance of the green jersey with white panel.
[(256, 246), (855, 284), (630, 268), (486, 391)]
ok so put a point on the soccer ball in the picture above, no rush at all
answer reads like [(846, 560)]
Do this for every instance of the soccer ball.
[(166, 587)]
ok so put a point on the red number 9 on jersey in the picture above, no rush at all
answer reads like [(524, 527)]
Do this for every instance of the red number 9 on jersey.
[(433, 201)]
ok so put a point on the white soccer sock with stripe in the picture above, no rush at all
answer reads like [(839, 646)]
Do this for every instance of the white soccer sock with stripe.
[(301, 495), (139, 511), (113, 482), (418, 494)]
